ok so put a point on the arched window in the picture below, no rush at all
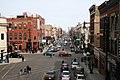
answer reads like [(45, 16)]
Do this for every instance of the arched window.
[(25, 26), (20, 26)]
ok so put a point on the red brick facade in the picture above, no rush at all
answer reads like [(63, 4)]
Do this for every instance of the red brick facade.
[(25, 30)]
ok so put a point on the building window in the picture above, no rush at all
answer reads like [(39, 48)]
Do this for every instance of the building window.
[(20, 36), (34, 37), (112, 23), (15, 27), (25, 26), (15, 36), (34, 25), (25, 35), (20, 26), (2, 36), (10, 36)]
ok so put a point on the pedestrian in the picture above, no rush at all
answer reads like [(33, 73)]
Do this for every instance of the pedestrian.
[(22, 58), (29, 69), (21, 71), (25, 71), (62, 61)]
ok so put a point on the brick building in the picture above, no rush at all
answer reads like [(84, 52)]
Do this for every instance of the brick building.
[(26, 33), (95, 31), (109, 26)]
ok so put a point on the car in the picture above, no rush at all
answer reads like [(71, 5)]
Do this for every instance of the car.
[(15, 55), (64, 53), (80, 77), (50, 75), (58, 45), (53, 49), (78, 70), (74, 65), (72, 49), (64, 66), (65, 75), (48, 53)]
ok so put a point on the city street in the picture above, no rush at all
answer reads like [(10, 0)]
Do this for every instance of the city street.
[(39, 64)]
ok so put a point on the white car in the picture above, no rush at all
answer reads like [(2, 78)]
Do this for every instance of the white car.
[(59, 46), (74, 65), (65, 75), (80, 77)]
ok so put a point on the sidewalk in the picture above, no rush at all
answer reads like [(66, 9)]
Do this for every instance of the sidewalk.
[(94, 76), (37, 52), (12, 60)]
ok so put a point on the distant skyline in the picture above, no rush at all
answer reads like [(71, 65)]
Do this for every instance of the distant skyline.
[(61, 13)]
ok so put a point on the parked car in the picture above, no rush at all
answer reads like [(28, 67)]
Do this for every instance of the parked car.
[(80, 77), (65, 75), (15, 55), (50, 75), (64, 53)]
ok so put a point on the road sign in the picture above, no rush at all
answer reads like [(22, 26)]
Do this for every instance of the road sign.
[(78, 39)]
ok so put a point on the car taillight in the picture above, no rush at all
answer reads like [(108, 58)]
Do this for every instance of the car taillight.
[(68, 77)]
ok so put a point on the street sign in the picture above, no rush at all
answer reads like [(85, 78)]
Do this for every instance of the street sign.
[(78, 39)]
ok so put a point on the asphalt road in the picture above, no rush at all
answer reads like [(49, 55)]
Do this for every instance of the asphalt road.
[(39, 64)]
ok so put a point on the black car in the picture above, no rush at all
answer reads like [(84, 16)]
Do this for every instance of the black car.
[(50, 75), (15, 55)]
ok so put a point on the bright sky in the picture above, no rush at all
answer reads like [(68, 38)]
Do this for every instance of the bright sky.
[(62, 13)]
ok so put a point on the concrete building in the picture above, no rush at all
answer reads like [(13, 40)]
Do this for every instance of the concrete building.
[(54, 32), (27, 31), (48, 30), (3, 38)]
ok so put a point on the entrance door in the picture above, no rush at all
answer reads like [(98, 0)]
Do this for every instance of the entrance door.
[(2, 54)]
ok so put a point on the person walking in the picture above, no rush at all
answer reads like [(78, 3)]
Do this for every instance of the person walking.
[(22, 58), (25, 71)]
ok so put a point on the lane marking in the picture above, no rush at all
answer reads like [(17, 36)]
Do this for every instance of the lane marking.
[(3, 68), (43, 76), (8, 71)]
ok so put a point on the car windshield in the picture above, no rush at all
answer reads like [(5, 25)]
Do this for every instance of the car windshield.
[(50, 73), (75, 63), (65, 73), (81, 77)]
